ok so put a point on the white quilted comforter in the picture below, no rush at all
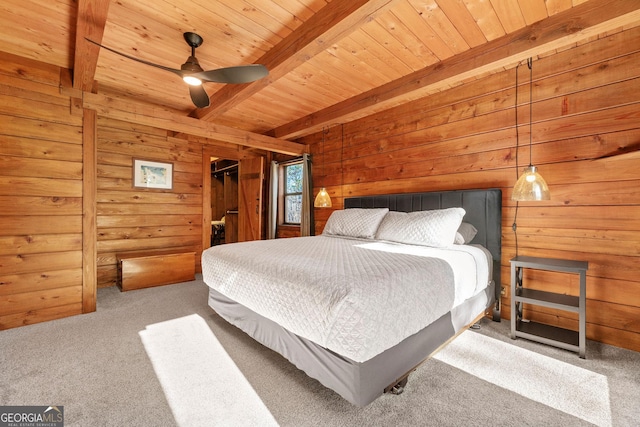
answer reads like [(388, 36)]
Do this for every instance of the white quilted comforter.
[(354, 297)]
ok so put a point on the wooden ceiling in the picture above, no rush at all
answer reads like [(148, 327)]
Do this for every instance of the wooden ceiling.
[(330, 61)]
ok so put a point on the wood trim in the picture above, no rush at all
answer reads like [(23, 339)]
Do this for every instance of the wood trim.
[(89, 211), (127, 111), (207, 153)]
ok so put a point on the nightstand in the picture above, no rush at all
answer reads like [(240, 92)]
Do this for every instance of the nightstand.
[(547, 334)]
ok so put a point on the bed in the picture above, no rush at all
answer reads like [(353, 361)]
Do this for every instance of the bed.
[(361, 306)]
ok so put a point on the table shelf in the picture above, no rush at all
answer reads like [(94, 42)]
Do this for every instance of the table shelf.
[(548, 299), (520, 295)]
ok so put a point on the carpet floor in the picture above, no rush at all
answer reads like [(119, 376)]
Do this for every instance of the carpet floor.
[(162, 357)]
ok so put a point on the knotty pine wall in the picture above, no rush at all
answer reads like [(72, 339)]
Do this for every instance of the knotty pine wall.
[(131, 219), (586, 105), (40, 195)]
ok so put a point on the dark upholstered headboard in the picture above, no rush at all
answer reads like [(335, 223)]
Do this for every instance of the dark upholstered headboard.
[(483, 207)]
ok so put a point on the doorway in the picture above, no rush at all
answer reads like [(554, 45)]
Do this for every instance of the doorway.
[(236, 194), (224, 201)]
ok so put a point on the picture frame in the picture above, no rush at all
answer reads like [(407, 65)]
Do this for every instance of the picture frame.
[(149, 174)]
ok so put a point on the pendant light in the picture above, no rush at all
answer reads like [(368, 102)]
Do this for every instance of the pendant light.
[(530, 185), (322, 198)]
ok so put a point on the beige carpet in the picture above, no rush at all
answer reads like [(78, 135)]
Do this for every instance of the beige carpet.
[(203, 385), (571, 389), (162, 357)]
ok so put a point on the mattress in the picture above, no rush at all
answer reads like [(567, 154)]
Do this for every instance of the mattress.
[(354, 297)]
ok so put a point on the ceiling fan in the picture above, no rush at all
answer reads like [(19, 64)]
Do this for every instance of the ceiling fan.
[(193, 74)]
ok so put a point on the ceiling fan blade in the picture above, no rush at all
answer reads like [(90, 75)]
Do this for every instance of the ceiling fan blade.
[(199, 96), (239, 74), (162, 67)]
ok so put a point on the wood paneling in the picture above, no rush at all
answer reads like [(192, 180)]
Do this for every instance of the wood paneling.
[(40, 196), (320, 53), (586, 105), (66, 195), (131, 219)]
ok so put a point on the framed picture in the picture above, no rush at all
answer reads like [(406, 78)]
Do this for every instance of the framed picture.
[(147, 174)]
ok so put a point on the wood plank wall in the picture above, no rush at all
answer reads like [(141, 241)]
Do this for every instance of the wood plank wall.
[(138, 219), (586, 105), (40, 195)]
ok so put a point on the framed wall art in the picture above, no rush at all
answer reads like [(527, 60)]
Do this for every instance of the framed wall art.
[(148, 174)]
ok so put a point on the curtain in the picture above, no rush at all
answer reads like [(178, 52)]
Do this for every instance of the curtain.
[(272, 209), (307, 227)]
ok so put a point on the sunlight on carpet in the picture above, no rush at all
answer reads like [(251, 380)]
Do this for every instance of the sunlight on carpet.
[(565, 387), (201, 382)]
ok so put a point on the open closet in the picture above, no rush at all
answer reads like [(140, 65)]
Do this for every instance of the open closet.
[(224, 202)]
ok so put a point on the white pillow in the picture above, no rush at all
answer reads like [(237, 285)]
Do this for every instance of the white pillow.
[(465, 234), (426, 228), (355, 222)]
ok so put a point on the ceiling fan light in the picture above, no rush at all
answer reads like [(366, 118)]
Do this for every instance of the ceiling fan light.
[(531, 186), (193, 81), (322, 199)]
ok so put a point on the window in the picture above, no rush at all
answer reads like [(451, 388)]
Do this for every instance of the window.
[(292, 193)]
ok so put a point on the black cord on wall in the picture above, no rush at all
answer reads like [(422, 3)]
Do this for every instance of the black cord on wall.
[(514, 226)]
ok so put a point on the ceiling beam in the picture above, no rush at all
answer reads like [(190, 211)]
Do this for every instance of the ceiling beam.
[(128, 111), (222, 149), (92, 17), (332, 23), (563, 29)]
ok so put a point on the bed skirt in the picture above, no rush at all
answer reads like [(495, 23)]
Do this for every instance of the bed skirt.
[(358, 383)]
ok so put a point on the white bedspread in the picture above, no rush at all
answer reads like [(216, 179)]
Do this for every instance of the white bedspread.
[(354, 297)]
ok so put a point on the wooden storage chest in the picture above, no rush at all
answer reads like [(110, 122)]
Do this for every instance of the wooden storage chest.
[(138, 270)]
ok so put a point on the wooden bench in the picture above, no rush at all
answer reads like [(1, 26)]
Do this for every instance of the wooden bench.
[(137, 270)]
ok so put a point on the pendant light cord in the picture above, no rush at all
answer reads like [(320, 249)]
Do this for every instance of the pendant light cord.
[(530, 65), (517, 127), (514, 226), (322, 171), (342, 165)]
